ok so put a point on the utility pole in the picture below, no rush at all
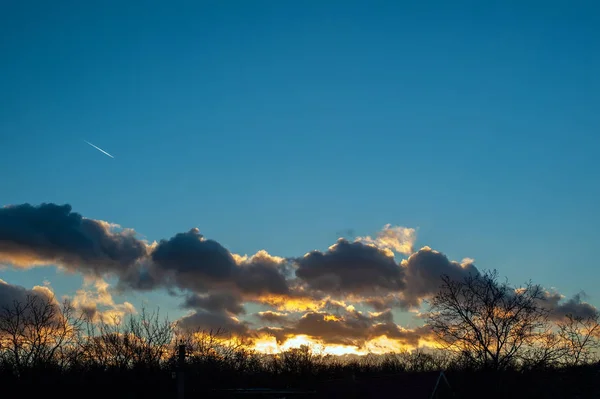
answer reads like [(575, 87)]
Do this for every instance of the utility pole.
[(180, 368)]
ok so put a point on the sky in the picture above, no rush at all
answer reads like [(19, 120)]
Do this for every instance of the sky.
[(467, 127)]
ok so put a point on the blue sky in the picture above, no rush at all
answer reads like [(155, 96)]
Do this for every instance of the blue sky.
[(276, 125)]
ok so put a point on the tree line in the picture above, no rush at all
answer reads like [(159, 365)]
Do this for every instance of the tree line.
[(481, 325)]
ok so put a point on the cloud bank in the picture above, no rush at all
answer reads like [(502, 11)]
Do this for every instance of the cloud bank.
[(346, 295)]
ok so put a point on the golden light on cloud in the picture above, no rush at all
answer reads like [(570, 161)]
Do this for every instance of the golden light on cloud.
[(342, 304), (95, 299), (22, 260), (379, 345), (383, 344), (301, 304), (286, 304), (239, 259), (269, 345), (260, 255), (467, 261), (393, 239)]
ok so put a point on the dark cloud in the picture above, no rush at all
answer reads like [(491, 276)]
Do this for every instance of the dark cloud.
[(383, 303), (406, 336), (350, 328), (189, 261), (192, 257), (559, 308), (15, 294), (143, 276), (273, 317), (424, 270), (351, 268), (207, 321), (326, 327), (262, 274), (216, 302), (53, 234)]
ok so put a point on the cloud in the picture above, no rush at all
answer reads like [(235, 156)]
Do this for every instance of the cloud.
[(15, 294), (395, 238), (95, 301), (210, 321), (423, 271), (409, 337), (324, 294), (350, 327), (296, 303), (53, 234), (385, 302), (559, 308), (216, 283), (263, 274), (16, 299), (351, 268), (365, 272), (273, 317), (191, 262), (216, 302)]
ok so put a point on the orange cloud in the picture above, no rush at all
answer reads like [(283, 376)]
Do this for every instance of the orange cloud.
[(22, 259), (393, 238), (380, 345), (96, 302), (287, 304)]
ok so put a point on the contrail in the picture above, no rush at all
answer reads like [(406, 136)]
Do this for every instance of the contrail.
[(99, 149)]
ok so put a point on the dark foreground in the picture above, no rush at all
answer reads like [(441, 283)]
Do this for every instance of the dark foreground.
[(573, 383)]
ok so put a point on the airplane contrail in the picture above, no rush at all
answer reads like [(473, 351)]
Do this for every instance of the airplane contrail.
[(99, 149)]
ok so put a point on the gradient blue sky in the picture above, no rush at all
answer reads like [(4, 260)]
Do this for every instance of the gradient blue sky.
[(277, 124)]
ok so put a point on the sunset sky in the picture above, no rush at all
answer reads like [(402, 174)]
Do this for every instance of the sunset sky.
[(438, 137)]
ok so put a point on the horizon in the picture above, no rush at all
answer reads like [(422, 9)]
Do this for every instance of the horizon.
[(303, 174)]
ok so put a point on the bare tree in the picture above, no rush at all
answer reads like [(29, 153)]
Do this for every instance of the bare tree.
[(37, 331), (487, 322), (201, 344), (299, 360), (214, 345), (581, 338), (106, 345), (547, 351), (150, 338), (138, 341)]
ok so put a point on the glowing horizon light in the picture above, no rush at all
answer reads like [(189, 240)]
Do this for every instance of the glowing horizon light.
[(379, 345)]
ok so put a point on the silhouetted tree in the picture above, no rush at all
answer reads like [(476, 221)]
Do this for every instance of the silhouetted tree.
[(37, 332), (486, 321), (297, 361), (580, 336), (482, 322), (150, 338), (139, 341), (547, 351)]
